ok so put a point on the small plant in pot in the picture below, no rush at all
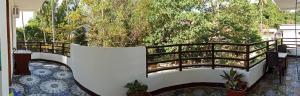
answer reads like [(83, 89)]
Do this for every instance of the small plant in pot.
[(236, 87), (136, 88)]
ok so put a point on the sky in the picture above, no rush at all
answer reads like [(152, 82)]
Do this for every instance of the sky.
[(27, 16)]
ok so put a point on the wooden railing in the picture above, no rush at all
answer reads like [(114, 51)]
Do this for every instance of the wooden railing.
[(213, 55), (46, 47), (185, 56)]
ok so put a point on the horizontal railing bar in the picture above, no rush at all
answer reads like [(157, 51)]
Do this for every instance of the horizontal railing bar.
[(196, 51), (195, 44), (258, 49), (219, 65), (195, 58), (231, 51), (235, 44), (195, 65), (46, 42), (262, 42), (159, 46), (237, 59), (168, 53), (163, 68), (153, 63), (257, 56)]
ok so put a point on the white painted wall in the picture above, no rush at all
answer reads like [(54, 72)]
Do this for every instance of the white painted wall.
[(106, 70), (50, 56), (4, 89), (289, 32)]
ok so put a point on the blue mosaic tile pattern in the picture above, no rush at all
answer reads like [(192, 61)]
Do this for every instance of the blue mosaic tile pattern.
[(47, 79)]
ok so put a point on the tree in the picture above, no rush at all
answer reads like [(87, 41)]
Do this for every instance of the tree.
[(261, 4), (177, 21), (194, 21), (118, 23), (111, 22), (271, 16), (33, 32)]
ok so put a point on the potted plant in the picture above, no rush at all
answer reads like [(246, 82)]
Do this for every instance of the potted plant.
[(236, 87), (136, 88)]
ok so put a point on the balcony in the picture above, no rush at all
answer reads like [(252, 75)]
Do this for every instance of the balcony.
[(169, 68)]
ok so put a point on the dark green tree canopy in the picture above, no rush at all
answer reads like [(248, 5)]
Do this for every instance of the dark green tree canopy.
[(117, 23)]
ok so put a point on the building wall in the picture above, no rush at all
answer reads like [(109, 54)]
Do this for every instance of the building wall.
[(290, 33), (4, 52)]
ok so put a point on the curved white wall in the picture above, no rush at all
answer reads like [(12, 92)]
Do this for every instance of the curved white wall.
[(174, 77), (50, 56), (105, 71)]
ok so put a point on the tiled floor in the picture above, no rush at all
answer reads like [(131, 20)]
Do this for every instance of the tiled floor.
[(51, 79), (268, 86), (47, 79)]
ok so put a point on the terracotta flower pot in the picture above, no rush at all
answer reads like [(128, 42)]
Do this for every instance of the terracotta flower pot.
[(231, 92), (139, 94)]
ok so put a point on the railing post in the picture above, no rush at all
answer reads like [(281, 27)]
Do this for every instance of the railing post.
[(281, 41), (267, 46), (247, 57), (147, 70), (180, 59), (40, 45), (53, 47), (213, 55), (276, 45), (63, 49)]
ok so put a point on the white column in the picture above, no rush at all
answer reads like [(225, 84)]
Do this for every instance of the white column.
[(4, 52)]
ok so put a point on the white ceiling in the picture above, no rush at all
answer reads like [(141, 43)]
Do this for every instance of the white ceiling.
[(28, 5), (287, 4)]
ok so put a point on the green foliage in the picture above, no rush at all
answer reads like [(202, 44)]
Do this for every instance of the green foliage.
[(191, 21), (80, 37), (136, 86), (118, 23), (32, 33), (112, 22), (273, 16), (233, 79), (40, 27)]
